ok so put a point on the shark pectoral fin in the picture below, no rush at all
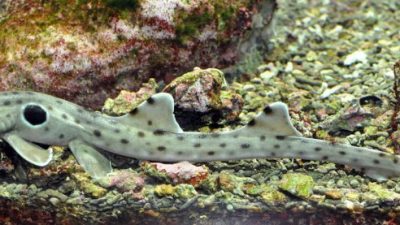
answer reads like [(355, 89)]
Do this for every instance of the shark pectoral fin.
[(29, 151), (92, 161), (274, 120), (155, 113)]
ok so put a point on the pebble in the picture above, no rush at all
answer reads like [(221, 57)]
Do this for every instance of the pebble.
[(249, 87), (357, 56), (354, 183)]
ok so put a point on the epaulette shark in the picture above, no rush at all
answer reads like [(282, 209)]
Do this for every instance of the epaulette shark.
[(150, 132)]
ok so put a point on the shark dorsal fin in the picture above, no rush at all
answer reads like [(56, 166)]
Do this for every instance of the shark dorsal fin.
[(156, 113), (274, 120), (29, 151)]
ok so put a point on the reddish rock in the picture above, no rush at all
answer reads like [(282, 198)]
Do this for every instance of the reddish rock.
[(177, 173), (85, 51)]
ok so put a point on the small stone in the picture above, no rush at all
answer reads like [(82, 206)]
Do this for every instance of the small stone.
[(334, 194), (249, 87), (354, 183), (311, 56), (357, 56), (54, 201)]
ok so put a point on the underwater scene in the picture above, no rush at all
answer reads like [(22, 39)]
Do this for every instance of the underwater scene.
[(203, 112)]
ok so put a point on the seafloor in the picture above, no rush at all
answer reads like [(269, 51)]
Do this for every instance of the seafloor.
[(332, 62)]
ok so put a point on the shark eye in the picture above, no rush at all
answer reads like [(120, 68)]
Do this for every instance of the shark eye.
[(35, 114)]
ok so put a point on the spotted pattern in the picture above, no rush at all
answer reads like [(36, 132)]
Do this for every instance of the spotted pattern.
[(97, 133), (161, 148), (150, 100), (267, 110), (245, 145), (124, 141)]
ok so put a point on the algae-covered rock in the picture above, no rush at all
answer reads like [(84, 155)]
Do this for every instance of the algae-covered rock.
[(382, 193), (85, 51), (184, 191), (200, 98), (297, 184)]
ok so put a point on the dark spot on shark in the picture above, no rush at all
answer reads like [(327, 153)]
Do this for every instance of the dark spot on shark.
[(211, 153), (179, 152), (161, 148), (149, 122), (267, 110), (245, 145), (50, 108), (273, 154), (301, 153), (252, 123), (222, 145), (381, 154), (77, 121), (262, 138), (133, 111), (158, 132), (64, 116), (375, 161), (277, 146), (6, 102), (19, 101), (317, 149), (354, 160), (124, 141), (235, 136), (59, 102), (15, 92), (150, 100), (97, 133), (197, 145), (202, 136), (342, 153), (395, 160), (325, 157), (117, 130), (61, 136), (8, 115), (46, 129), (140, 133), (280, 137), (180, 137), (215, 135)]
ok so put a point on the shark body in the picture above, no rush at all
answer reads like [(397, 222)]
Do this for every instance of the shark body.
[(150, 132)]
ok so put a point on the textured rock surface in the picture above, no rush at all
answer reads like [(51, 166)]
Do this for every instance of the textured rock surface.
[(86, 51)]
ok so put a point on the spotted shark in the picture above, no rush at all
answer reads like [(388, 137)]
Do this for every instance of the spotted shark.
[(150, 132)]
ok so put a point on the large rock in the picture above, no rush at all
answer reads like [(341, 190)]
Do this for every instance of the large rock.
[(85, 51)]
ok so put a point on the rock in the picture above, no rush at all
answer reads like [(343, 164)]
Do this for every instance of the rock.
[(357, 56), (123, 180), (297, 184), (176, 173), (199, 99), (90, 50)]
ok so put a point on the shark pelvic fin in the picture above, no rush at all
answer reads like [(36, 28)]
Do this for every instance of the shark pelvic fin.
[(92, 161), (29, 151), (157, 112), (274, 120)]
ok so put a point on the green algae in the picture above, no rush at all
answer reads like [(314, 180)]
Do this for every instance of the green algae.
[(181, 191), (269, 194), (381, 192), (298, 184)]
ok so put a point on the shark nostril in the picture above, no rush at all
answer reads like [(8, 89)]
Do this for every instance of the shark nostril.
[(35, 114)]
